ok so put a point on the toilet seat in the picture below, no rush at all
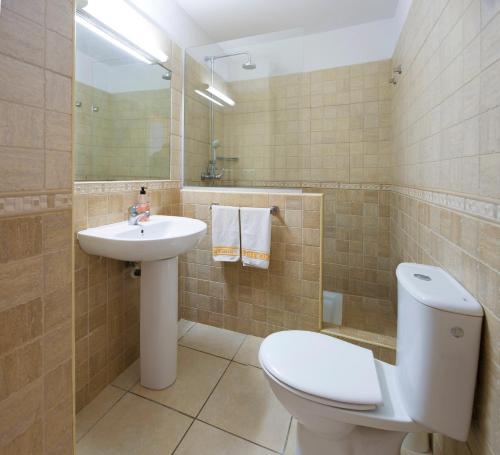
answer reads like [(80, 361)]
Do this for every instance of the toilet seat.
[(323, 369)]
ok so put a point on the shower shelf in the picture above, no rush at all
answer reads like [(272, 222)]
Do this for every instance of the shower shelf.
[(228, 158)]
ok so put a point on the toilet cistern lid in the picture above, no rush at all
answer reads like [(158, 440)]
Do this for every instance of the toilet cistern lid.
[(322, 366)]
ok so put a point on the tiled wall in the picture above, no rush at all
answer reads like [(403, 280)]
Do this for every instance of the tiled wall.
[(36, 399), (324, 126), (356, 257), (251, 300), (106, 296), (446, 116), (313, 130), (127, 138), (446, 107), (469, 248)]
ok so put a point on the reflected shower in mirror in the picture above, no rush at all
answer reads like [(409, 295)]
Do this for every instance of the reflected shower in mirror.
[(121, 112)]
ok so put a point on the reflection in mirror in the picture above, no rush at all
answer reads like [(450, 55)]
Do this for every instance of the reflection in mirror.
[(121, 113)]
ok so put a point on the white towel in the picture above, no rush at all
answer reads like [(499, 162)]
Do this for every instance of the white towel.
[(255, 237), (225, 233)]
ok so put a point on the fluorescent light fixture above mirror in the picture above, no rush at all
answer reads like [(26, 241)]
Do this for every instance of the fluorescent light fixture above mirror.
[(220, 95), (126, 21), (111, 39), (208, 97)]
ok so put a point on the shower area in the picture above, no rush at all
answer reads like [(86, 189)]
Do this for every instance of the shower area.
[(275, 112)]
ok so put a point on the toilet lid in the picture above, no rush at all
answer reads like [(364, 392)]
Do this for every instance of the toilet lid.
[(322, 366)]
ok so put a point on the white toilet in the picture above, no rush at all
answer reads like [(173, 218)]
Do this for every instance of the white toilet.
[(348, 403)]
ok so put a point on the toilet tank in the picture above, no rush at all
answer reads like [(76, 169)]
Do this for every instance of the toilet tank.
[(439, 329)]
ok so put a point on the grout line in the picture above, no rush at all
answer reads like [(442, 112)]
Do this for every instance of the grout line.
[(151, 400), (207, 353), (202, 406), (183, 436), (236, 436), (239, 347), (213, 390), (287, 434), (187, 331), (104, 415)]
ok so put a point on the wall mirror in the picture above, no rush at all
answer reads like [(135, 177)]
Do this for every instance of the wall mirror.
[(122, 111)]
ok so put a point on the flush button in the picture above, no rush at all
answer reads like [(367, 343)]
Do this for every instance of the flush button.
[(422, 277), (457, 332)]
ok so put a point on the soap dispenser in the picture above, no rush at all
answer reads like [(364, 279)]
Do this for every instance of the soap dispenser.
[(142, 205)]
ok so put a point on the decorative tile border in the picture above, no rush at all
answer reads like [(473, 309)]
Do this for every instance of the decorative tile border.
[(471, 206), (123, 186), (28, 204)]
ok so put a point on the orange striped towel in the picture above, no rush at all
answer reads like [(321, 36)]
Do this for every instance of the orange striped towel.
[(225, 233), (255, 237)]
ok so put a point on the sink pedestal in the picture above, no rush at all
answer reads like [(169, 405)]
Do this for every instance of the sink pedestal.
[(159, 285)]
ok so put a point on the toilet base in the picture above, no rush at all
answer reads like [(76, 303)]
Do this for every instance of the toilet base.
[(360, 441)]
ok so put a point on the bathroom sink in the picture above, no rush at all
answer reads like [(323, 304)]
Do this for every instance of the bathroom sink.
[(162, 237), (157, 244)]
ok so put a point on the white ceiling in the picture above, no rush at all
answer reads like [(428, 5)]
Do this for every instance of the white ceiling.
[(231, 19)]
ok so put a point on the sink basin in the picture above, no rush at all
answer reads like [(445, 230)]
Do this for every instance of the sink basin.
[(162, 237), (156, 244)]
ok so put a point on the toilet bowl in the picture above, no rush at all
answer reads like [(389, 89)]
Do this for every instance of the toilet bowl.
[(348, 403), (331, 423)]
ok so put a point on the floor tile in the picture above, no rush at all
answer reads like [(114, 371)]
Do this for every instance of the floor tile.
[(204, 439), (291, 443), (135, 426), (213, 340), (243, 404), (129, 377), (183, 326), (197, 375), (91, 413), (249, 351)]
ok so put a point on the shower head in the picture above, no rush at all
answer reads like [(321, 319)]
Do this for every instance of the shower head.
[(167, 76), (248, 65)]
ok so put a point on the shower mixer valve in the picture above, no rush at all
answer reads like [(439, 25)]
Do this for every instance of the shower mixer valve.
[(212, 173)]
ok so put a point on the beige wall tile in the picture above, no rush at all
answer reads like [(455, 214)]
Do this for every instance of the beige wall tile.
[(58, 53), (25, 276), (58, 166), (58, 92), (57, 131), (31, 9), (21, 83), (21, 38), (21, 126), (59, 17), (21, 169)]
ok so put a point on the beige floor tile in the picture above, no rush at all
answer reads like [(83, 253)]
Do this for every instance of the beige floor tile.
[(221, 342), (197, 375), (183, 326), (244, 405), (204, 439), (129, 377), (291, 443), (135, 426), (249, 351), (91, 413)]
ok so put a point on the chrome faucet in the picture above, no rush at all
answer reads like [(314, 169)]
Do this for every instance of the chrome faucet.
[(211, 173), (135, 218)]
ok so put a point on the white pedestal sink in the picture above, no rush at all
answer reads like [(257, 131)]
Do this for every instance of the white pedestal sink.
[(156, 244)]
